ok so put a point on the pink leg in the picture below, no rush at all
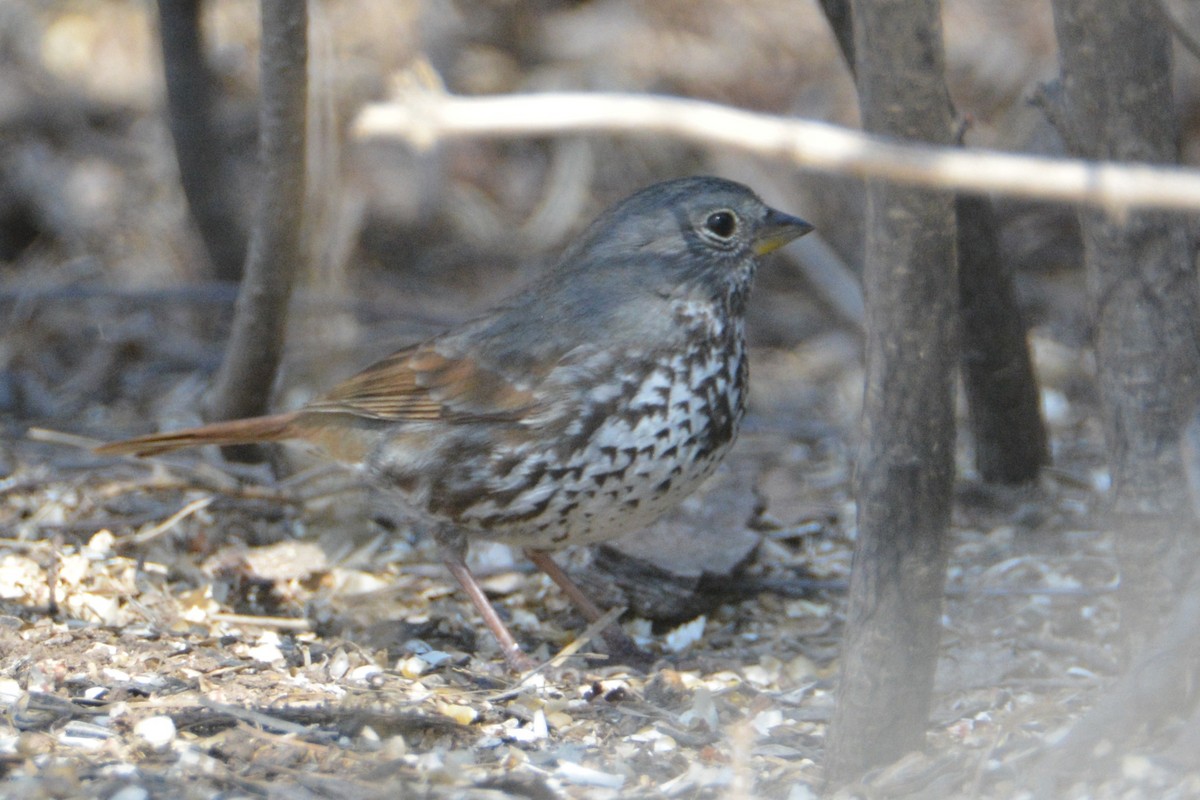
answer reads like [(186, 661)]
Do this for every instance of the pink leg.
[(620, 646), (517, 661)]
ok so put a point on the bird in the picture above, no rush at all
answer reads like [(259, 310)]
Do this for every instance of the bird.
[(579, 410)]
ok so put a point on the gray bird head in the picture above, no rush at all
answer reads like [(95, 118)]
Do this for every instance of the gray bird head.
[(698, 235), (698, 223)]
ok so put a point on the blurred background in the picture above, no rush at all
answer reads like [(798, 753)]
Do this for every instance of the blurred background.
[(105, 289), (112, 323)]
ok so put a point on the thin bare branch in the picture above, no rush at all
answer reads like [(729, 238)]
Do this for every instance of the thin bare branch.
[(426, 116)]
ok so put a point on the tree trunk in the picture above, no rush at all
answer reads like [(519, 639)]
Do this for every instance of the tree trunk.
[(906, 462), (1117, 104), (243, 385), (1002, 390), (202, 169)]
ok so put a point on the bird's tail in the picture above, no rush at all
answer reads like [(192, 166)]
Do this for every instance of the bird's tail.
[(236, 431)]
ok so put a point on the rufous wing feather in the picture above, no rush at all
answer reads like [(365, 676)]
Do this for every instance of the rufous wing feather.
[(421, 383), (236, 431), (416, 384)]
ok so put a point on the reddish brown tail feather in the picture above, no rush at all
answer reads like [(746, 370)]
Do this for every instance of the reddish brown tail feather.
[(235, 431)]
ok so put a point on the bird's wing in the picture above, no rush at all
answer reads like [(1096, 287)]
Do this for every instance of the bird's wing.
[(422, 383)]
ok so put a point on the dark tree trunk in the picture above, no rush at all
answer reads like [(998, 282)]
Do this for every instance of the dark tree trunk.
[(244, 382), (202, 169), (1002, 391), (1116, 104), (906, 462), (841, 21)]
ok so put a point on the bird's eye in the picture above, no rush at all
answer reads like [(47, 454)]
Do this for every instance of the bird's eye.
[(721, 223)]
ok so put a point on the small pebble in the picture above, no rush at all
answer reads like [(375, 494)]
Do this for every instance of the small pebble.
[(10, 691), (586, 776), (685, 635), (363, 674), (157, 733), (463, 715), (130, 793), (339, 665), (559, 719), (413, 667), (267, 653), (84, 735)]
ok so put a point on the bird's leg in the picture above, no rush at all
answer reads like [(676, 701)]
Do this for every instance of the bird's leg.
[(620, 646), (453, 546), (517, 661)]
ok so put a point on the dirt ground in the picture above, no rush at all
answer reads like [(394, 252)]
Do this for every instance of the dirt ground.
[(184, 627)]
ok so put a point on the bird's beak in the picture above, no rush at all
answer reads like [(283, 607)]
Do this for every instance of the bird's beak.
[(777, 230)]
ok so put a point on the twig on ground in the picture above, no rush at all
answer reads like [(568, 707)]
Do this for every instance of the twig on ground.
[(152, 533), (285, 623)]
